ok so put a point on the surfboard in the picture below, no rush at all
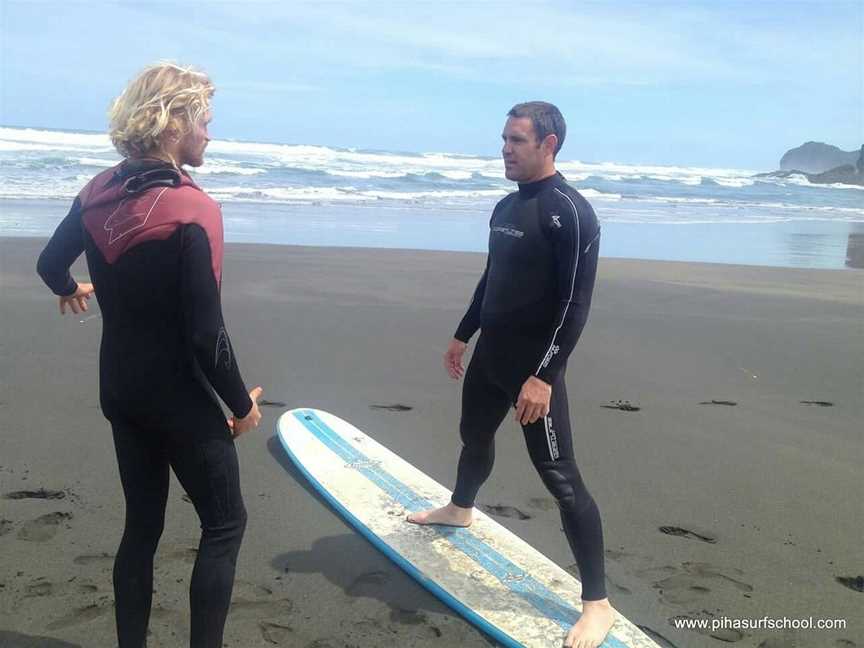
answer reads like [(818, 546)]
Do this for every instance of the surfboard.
[(485, 573)]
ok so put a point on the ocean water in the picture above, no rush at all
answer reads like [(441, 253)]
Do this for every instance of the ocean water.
[(317, 195)]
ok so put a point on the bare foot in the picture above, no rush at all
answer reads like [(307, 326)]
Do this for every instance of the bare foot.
[(593, 626), (450, 515)]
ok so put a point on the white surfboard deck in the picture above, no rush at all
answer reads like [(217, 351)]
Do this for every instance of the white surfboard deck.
[(488, 575)]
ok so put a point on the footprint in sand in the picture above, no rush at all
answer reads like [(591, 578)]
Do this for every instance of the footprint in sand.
[(415, 618), (502, 510), (257, 603), (176, 553), (81, 615), (40, 493), (697, 583), (407, 617), (102, 559), (5, 526), (45, 588), (855, 583), (617, 554), (43, 528), (18, 640), (543, 503), (373, 579), (624, 406), (396, 407), (798, 640), (275, 633), (167, 616), (651, 573), (376, 632), (269, 403), (620, 589), (719, 402), (681, 532), (657, 637), (252, 608)]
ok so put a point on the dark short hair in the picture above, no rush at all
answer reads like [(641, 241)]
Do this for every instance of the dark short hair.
[(546, 119)]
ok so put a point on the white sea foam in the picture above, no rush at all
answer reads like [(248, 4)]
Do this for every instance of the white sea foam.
[(59, 191), (96, 162), (55, 138), (360, 164), (673, 199), (599, 195), (375, 164), (366, 174), (216, 166), (46, 164), (691, 176), (6, 145), (735, 182), (434, 195), (341, 194), (840, 185), (288, 194)]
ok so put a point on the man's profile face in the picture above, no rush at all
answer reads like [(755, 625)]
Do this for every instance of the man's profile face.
[(524, 158), (193, 143)]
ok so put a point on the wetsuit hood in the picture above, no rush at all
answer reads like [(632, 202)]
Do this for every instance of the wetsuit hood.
[(131, 176)]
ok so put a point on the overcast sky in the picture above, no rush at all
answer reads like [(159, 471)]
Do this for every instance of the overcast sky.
[(719, 83)]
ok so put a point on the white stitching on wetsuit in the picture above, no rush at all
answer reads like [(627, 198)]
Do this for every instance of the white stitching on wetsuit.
[(547, 357)]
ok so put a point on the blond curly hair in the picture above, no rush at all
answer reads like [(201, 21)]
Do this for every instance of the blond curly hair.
[(163, 97)]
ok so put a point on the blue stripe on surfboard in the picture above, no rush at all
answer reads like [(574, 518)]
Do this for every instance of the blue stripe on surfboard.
[(493, 562), (510, 575)]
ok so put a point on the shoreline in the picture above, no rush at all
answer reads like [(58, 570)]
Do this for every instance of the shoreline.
[(721, 495), (824, 244)]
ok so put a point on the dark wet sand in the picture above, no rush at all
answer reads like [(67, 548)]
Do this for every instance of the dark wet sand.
[(719, 403)]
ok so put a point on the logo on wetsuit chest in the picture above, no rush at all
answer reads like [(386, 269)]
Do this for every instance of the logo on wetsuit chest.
[(509, 231), (556, 220)]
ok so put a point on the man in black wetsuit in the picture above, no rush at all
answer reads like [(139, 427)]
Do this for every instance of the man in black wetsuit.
[(153, 241), (531, 305)]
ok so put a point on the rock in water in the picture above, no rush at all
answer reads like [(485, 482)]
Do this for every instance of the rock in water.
[(816, 157)]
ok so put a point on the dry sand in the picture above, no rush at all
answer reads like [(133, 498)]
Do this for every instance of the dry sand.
[(733, 490)]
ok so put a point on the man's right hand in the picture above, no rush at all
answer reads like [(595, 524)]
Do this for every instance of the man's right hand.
[(251, 420), (453, 358), (77, 301)]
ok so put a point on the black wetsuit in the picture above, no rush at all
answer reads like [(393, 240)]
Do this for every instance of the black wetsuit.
[(153, 242), (531, 305)]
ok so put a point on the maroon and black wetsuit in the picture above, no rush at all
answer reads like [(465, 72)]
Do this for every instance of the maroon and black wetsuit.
[(153, 241)]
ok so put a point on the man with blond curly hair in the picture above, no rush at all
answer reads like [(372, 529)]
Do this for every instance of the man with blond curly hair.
[(153, 241)]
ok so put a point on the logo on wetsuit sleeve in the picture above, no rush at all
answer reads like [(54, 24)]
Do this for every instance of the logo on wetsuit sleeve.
[(552, 439), (556, 220), (552, 351), (223, 350), (509, 231)]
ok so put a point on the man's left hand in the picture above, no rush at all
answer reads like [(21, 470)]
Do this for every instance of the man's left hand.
[(533, 402)]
